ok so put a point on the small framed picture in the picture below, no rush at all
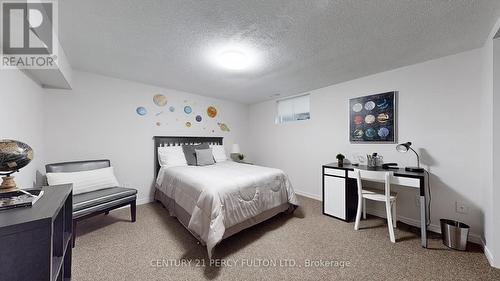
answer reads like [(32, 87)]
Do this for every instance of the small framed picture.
[(373, 118)]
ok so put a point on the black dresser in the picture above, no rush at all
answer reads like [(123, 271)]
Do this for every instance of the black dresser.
[(35, 241)]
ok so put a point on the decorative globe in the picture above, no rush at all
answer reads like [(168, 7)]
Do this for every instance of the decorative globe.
[(14, 155)]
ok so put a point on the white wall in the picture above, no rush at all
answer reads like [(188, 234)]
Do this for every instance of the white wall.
[(438, 111), (490, 154), (22, 119), (493, 223), (97, 119), (486, 148)]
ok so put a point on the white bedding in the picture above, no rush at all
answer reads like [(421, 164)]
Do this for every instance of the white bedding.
[(224, 194)]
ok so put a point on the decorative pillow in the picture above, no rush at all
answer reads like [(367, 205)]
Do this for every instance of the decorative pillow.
[(219, 153), (204, 157), (171, 156), (190, 154), (85, 181)]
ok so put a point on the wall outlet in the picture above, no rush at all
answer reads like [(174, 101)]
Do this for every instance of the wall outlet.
[(461, 207)]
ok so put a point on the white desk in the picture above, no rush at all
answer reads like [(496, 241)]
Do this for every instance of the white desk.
[(340, 198)]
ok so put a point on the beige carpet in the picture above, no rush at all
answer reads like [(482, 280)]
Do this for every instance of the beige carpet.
[(112, 248)]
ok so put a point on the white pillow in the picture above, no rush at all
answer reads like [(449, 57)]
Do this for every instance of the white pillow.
[(219, 153), (85, 181), (171, 156)]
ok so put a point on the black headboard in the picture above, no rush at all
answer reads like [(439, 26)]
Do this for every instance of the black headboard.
[(175, 141)]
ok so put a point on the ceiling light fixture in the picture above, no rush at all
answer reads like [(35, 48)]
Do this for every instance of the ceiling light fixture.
[(233, 57), (234, 60)]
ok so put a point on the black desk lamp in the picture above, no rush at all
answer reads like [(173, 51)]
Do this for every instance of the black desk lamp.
[(404, 147)]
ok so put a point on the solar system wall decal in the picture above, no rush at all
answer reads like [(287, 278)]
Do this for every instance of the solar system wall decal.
[(373, 118), (191, 113)]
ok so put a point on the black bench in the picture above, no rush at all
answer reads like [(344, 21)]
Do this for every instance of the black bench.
[(92, 203)]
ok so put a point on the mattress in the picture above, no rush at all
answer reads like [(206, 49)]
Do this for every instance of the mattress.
[(220, 197)]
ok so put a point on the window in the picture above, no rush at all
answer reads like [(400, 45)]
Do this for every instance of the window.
[(293, 109)]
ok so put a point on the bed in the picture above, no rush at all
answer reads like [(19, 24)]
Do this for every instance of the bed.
[(214, 202)]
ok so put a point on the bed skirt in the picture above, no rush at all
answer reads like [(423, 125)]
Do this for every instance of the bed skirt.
[(184, 217)]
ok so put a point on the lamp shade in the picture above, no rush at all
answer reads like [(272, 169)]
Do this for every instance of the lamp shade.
[(235, 148), (403, 147)]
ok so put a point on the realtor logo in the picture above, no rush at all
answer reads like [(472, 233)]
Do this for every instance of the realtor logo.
[(28, 29)]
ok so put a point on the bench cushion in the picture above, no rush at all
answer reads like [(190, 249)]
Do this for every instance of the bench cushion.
[(77, 166), (103, 199)]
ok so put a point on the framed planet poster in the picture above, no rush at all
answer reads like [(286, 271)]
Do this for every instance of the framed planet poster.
[(373, 118)]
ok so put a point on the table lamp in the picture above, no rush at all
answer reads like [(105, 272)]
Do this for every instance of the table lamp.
[(236, 153), (14, 155), (404, 147), (235, 148)]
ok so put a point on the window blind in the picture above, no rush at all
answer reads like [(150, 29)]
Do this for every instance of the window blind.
[(293, 109)]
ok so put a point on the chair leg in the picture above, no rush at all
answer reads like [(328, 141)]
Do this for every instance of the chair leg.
[(73, 238), (364, 208), (133, 211), (358, 213), (394, 215), (389, 221)]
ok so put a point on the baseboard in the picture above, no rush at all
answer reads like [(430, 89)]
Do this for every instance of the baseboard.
[(473, 237), (143, 201), (309, 195), (489, 255)]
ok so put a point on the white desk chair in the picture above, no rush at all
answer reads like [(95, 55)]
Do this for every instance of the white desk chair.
[(377, 195)]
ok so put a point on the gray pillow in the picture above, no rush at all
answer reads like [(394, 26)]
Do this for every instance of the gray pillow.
[(204, 157), (190, 154)]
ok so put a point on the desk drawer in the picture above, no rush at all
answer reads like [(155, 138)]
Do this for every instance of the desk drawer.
[(410, 182), (397, 180), (334, 172)]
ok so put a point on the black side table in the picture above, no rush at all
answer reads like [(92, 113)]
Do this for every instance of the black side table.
[(35, 241)]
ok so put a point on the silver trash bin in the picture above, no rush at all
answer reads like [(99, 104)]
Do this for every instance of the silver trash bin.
[(454, 234)]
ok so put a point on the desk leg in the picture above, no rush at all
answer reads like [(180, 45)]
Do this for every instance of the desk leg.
[(423, 221)]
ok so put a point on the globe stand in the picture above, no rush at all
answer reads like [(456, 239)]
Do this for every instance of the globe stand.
[(8, 184)]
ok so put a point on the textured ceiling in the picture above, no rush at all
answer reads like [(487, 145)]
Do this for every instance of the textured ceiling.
[(302, 45)]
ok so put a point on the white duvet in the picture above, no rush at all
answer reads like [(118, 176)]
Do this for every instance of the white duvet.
[(224, 194)]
